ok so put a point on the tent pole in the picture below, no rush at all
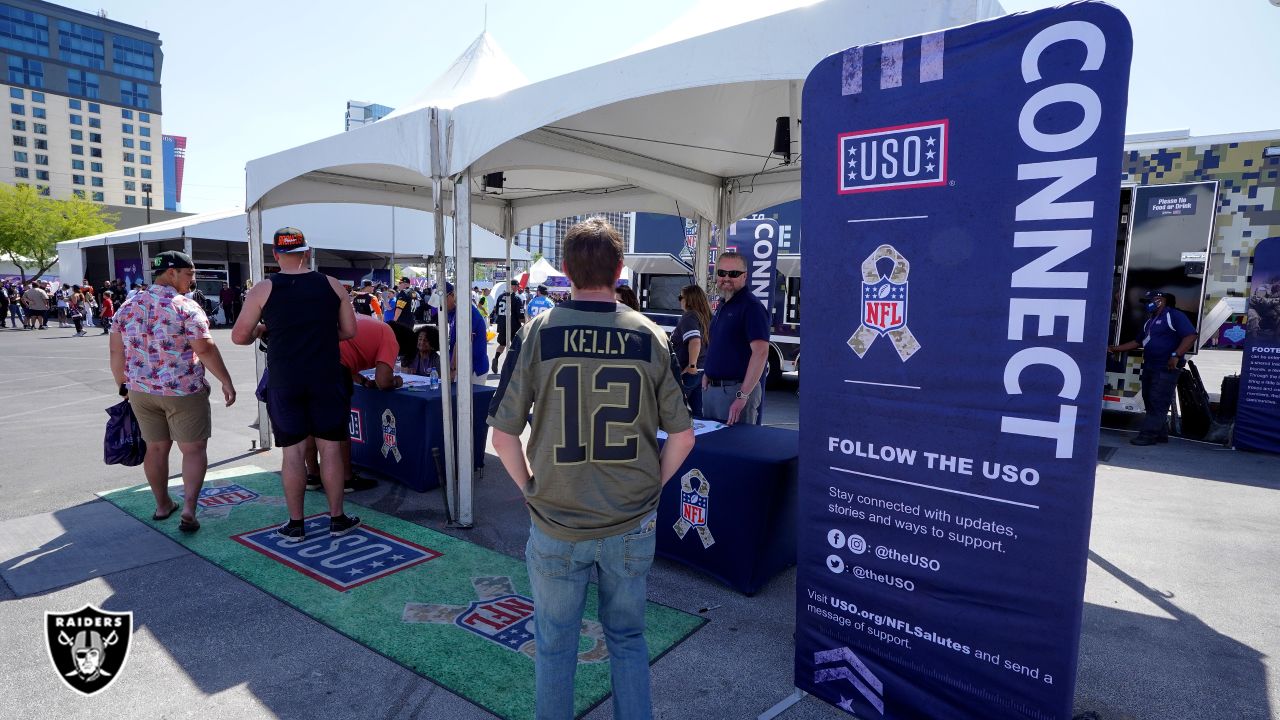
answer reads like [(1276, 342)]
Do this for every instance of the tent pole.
[(702, 254), (111, 262), (722, 218), (393, 239), (259, 357), (508, 237), (462, 326), (450, 480)]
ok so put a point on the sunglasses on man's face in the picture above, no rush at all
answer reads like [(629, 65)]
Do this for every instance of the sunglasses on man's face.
[(730, 273)]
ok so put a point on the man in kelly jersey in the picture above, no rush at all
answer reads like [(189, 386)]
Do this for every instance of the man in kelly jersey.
[(600, 380)]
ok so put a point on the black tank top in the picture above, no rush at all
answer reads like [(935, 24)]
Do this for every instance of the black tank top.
[(302, 331)]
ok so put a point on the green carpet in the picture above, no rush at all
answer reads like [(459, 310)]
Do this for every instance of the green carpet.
[(456, 613)]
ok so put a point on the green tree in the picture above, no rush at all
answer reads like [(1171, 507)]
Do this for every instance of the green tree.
[(31, 226)]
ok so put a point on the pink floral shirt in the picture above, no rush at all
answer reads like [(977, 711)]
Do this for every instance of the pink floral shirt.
[(157, 326)]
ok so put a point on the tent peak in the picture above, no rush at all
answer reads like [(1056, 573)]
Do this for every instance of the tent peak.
[(482, 70)]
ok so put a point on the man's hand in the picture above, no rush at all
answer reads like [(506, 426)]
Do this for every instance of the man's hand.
[(735, 410), (1173, 362), (229, 394), (690, 371)]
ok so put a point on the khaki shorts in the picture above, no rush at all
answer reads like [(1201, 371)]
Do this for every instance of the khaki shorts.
[(180, 418)]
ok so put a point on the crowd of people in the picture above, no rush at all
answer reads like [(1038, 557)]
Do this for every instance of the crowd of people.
[(32, 304)]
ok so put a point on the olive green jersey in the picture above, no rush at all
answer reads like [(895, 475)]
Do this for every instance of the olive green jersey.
[(600, 381)]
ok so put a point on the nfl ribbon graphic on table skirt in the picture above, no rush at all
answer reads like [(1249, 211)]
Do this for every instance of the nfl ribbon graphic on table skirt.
[(884, 305), (693, 507)]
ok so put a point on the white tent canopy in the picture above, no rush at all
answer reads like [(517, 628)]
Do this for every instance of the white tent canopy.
[(541, 270)]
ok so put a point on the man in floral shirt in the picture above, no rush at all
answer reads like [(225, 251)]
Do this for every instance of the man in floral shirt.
[(160, 348)]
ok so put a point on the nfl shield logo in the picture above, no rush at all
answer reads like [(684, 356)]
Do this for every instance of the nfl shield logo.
[(506, 620), (693, 507), (884, 305)]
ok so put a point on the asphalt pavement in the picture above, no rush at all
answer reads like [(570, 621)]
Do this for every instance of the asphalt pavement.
[(1180, 620)]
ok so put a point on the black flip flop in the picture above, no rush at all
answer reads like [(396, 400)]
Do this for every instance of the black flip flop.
[(188, 526), (158, 517)]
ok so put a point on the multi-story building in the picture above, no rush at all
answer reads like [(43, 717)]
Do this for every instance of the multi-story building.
[(175, 163), (546, 238), (84, 105), (360, 113)]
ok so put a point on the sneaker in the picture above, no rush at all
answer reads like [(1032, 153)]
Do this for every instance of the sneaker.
[(292, 533), (314, 482), (1143, 440), (357, 483), (342, 525)]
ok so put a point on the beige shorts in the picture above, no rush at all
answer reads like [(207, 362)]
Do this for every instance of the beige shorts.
[(180, 418)]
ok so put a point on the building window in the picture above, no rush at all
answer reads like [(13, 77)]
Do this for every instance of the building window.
[(77, 119), (95, 137), (37, 96), (128, 142), (73, 104), (95, 108), (144, 131), (21, 172), (95, 152), (25, 72), (95, 122), (128, 157), (81, 45), (144, 145), (19, 156), (16, 92), (135, 58), (77, 149), (78, 193), (97, 197), (144, 117), (24, 31), (77, 179), (135, 93), (77, 164), (77, 134), (42, 174), (17, 109), (42, 159), (130, 199), (126, 114), (83, 82), (42, 144), (126, 128), (146, 159), (130, 185), (19, 141), (41, 128), (146, 174), (38, 112), (95, 167), (129, 171), (19, 124), (95, 181)]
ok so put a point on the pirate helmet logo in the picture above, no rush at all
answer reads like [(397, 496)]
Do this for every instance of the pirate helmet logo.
[(88, 647)]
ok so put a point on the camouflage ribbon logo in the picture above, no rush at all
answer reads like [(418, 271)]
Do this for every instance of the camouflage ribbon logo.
[(884, 305), (693, 507), (389, 444)]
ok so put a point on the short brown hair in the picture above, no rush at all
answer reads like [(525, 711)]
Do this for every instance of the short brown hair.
[(592, 254), (733, 255)]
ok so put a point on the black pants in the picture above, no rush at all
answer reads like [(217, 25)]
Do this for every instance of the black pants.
[(78, 321)]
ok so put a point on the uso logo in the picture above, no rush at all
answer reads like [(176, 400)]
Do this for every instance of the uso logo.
[(893, 158)]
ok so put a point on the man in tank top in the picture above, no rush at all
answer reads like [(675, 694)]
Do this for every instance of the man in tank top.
[(308, 391)]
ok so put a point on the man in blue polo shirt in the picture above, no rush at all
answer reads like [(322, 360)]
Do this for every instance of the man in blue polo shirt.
[(479, 338), (1166, 339), (738, 350)]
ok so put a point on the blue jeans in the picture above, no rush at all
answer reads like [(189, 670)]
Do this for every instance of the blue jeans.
[(559, 572), (693, 392), (1159, 383)]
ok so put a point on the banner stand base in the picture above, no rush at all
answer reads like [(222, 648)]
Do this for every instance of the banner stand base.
[(783, 705)]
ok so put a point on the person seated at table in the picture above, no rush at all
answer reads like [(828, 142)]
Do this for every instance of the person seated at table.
[(426, 356)]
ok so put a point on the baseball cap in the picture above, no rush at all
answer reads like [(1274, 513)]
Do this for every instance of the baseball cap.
[(368, 283), (170, 259), (448, 288), (290, 240)]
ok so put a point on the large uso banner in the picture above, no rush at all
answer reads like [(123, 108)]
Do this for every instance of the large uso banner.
[(969, 181), (1258, 416), (757, 241)]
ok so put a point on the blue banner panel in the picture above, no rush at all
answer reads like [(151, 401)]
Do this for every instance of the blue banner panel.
[(968, 180), (1258, 416), (757, 241)]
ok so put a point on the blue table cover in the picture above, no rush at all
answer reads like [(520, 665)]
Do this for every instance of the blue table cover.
[(740, 524), (393, 432)]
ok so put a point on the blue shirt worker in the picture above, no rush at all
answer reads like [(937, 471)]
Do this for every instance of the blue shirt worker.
[(1167, 336), (738, 351), (479, 338), (540, 304)]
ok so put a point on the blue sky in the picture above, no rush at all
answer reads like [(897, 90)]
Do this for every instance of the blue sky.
[(244, 79)]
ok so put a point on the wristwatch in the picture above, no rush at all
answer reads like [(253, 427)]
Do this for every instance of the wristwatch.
[(741, 395)]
